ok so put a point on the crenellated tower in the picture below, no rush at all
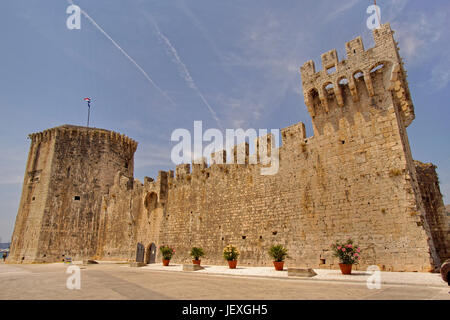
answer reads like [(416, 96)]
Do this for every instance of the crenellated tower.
[(69, 168), (342, 86), (364, 102)]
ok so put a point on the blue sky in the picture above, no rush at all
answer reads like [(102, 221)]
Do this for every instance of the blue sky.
[(236, 62)]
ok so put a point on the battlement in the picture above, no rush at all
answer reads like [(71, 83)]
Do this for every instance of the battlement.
[(182, 170), (239, 157), (219, 157), (319, 87), (296, 132), (77, 131), (199, 164), (355, 54)]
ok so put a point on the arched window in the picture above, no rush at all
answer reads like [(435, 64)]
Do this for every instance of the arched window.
[(343, 81), (377, 67), (358, 74), (313, 97), (328, 86), (313, 94)]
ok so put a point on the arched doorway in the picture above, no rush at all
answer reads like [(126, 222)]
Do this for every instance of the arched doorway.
[(150, 256), (140, 252)]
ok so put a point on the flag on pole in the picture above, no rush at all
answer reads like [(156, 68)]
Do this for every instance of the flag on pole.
[(87, 99)]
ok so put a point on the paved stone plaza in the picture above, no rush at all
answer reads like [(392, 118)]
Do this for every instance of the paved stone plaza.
[(120, 281)]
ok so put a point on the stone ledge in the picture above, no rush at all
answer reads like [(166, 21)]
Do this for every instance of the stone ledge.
[(297, 272), (137, 264), (192, 267)]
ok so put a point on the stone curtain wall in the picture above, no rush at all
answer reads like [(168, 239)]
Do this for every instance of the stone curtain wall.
[(435, 209), (328, 188), (132, 213), (352, 179)]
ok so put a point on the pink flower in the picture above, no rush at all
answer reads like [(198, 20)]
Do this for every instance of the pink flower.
[(358, 250), (356, 255), (339, 248), (349, 246), (343, 249)]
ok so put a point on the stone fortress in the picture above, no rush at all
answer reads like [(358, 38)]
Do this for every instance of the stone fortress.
[(354, 178)]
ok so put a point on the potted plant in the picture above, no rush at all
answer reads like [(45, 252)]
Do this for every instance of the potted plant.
[(197, 253), (167, 253), (231, 253), (278, 254), (348, 254)]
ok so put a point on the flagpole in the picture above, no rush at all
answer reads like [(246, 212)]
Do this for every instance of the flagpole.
[(89, 112), (378, 12), (88, 100)]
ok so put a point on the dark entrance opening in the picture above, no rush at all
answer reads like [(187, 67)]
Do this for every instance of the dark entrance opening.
[(150, 257), (140, 252)]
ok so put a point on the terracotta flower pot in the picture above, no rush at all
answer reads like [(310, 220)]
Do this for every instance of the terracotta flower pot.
[(345, 268), (278, 265), (165, 262), (232, 264), (196, 261)]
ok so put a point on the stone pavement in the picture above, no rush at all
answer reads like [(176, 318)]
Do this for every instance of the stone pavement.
[(401, 278), (106, 281)]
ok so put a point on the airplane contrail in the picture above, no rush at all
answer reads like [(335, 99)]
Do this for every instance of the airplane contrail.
[(95, 24), (187, 76)]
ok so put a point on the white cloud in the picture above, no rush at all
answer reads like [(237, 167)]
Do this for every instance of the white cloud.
[(270, 48), (423, 38), (390, 10), (184, 71), (440, 77), (340, 9), (118, 47), (419, 33)]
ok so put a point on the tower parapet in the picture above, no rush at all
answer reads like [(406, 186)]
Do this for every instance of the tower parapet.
[(324, 89), (70, 131)]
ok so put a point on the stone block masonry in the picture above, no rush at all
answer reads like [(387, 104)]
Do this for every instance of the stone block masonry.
[(354, 178), (68, 171), (434, 208)]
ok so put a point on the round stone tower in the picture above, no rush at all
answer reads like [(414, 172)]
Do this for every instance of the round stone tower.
[(68, 170)]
